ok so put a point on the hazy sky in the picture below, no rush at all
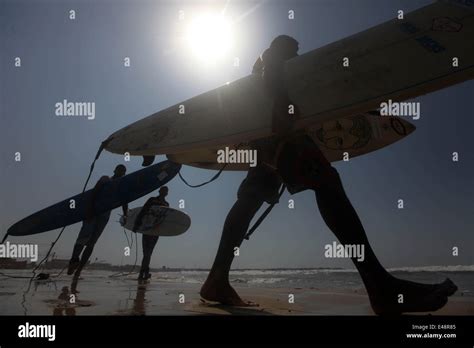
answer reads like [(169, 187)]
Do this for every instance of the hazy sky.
[(82, 60)]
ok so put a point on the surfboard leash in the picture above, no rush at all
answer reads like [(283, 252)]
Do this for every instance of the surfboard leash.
[(210, 180), (204, 183), (124, 274), (264, 214), (101, 148)]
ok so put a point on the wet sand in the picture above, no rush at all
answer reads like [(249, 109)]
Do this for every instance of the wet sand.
[(104, 295)]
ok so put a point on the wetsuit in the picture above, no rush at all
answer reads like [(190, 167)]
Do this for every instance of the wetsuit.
[(90, 232)]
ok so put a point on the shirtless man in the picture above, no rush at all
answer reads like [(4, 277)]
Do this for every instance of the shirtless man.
[(295, 160)]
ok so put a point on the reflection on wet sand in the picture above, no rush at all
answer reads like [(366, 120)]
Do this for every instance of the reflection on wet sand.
[(122, 296), (63, 304), (139, 303), (68, 301)]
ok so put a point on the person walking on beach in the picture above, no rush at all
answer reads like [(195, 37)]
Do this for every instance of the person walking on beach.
[(293, 159), (148, 241), (92, 226)]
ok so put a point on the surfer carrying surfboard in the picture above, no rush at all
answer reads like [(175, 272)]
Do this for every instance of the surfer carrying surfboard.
[(295, 160), (92, 226), (149, 241)]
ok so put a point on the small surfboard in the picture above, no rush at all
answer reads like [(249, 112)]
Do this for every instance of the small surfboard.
[(159, 221), (112, 195), (398, 60), (355, 135)]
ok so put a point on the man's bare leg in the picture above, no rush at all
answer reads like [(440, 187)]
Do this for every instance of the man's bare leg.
[(148, 244), (383, 289), (75, 258), (86, 254), (217, 287)]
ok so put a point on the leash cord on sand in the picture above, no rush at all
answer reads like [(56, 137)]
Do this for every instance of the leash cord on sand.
[(124, 274), (14, 277)]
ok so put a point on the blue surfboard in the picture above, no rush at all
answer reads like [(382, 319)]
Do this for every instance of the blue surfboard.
[(113, 194)]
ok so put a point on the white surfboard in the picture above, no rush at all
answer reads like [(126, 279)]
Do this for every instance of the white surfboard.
[(351, 136), (397, 60), (159, 221)]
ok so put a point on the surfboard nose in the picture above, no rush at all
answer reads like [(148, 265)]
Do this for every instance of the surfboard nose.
[(401, 126), (409, 127), (124, 140)]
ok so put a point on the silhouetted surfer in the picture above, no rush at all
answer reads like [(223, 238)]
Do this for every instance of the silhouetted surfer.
[(149, 242), (93, 226), (295, 160)]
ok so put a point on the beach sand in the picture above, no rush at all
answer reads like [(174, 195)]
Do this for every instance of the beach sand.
[(105, 295)]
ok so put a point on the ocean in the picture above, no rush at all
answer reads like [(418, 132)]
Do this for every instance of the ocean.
[(331, 279), (306, 278)]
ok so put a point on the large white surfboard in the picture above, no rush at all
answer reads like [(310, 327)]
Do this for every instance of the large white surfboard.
[(397, 60), (353, 136)]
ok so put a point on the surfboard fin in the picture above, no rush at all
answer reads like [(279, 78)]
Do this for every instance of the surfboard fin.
[(147, 160)]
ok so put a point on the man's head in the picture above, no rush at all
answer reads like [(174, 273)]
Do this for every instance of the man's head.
[(120, 171), (286, 46), (163, 191)]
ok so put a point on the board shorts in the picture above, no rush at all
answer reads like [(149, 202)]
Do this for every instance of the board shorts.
[(92, 229), (299, 164)]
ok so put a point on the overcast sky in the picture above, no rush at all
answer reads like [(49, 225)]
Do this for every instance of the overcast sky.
[(82, 60)]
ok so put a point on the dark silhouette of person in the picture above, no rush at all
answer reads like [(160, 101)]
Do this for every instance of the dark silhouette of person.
[(148, 241), (92, 226), (294, 159)]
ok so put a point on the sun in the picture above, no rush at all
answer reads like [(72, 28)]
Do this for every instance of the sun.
[(209, 37)]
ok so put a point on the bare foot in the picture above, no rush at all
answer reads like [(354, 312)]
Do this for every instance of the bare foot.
[(386, 298), (221, 291)]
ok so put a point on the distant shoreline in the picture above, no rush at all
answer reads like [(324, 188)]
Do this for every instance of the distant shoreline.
[(60, 264)]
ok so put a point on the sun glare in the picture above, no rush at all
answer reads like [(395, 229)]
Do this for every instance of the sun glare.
[(210, 37)]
